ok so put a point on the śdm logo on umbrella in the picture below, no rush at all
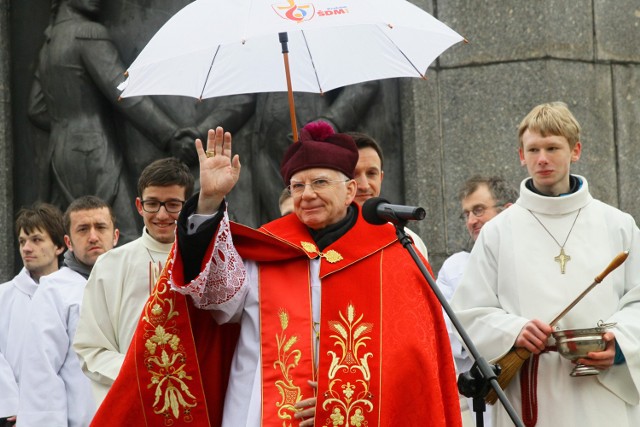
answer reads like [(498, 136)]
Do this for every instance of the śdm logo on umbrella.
[(294, 12)]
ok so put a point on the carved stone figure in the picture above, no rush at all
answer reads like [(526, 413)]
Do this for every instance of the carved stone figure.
[(73, 96), (99, 145)]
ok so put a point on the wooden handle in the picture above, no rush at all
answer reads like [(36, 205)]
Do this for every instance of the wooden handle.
[(617, 261)]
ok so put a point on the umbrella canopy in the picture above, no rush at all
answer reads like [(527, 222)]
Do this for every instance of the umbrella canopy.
[(216, 48)]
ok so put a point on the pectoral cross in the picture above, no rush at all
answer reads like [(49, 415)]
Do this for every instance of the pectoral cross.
[(562, 259)]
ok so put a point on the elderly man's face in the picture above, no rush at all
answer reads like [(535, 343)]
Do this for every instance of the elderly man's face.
[(324, 206)]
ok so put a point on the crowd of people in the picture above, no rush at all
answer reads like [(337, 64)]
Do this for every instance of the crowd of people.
[(319, 317)]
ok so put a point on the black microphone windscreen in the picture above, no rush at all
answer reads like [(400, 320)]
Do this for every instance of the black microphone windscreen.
[(370, 211)]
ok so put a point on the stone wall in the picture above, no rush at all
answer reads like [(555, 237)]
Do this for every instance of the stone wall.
[(464, 120), (6, 150)]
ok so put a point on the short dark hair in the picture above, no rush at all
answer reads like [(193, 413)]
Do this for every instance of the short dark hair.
[(86, 203), (44, 217), (166, 172), (363, 140), (501, 190)]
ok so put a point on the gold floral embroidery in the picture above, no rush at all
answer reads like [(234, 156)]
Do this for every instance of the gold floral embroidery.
[(331, 255), (349, 401), (337, 418), (165, 357), (309, 247), (288, 359)]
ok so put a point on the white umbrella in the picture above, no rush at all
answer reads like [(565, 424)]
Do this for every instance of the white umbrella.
[(216, 48)]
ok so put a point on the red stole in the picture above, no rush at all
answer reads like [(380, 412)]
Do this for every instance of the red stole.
[(383, 345), (176, 369)]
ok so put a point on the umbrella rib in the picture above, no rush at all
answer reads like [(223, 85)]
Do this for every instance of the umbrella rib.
[(312, 63), (400, 50), (209, 72)]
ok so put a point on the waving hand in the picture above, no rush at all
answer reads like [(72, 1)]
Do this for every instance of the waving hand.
[(219, 172)]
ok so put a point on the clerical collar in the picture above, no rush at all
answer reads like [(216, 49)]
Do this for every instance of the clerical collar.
[(333, 232), (574, 185)]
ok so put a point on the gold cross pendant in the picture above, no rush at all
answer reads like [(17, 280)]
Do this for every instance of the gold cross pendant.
[(562, 259)]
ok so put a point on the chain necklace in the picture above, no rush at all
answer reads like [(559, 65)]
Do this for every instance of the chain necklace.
[(562, 258), (154, 271)]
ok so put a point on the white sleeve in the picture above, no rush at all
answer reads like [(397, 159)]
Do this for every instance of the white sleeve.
[(222, 285), (43, 397), (196, 220), (8, 389), (96, 340), (8, 383), (448, 278), (418, 243)]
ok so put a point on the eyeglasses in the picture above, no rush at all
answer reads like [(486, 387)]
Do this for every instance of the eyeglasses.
[(153, 206), (317, 185), (477, 211)]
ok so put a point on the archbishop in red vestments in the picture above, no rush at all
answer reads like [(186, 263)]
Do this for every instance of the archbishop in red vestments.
[(320, 295), (383, 357)]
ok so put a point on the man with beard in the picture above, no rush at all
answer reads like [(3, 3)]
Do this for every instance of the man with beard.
[(53, 388)]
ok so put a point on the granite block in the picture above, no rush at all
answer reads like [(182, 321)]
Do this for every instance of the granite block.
[(512, 30)]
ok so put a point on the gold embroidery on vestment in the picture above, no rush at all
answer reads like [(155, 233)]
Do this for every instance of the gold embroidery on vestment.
[(331, 255), (165, 358), (349, 400), (288, 358)]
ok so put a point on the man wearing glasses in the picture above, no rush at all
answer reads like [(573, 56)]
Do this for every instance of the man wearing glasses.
[(337, 325), (122, 278), (482, 198)]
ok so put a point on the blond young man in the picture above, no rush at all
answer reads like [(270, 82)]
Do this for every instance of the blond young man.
[(531, 261)]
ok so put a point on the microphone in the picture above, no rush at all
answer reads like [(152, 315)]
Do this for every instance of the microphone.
[(379, 211)]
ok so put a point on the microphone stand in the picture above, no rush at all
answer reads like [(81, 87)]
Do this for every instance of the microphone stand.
[(482, 376)]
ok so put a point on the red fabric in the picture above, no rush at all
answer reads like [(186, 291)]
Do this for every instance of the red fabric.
[(529, 388), (201, 364), (287, 339), (403, 344), (410, 368)]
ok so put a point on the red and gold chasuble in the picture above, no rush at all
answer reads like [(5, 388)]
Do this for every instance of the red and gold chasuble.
[(383, 350), (383, 357)]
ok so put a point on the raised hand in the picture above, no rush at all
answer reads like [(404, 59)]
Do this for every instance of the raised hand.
[(219, 172)]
